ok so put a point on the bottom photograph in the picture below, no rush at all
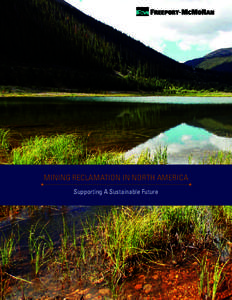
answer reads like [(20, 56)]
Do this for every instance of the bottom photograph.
[(115, 252)]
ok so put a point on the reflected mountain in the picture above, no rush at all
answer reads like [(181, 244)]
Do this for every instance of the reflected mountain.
[(219, 125), (110, 126), (182, 142)]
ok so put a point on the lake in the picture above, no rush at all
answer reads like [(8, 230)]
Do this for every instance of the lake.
[(188, 126)]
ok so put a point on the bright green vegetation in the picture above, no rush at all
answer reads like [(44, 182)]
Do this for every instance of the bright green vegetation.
[(159, 158), (210, 281), (60, 149), (7, 248), (125, 233), (217, 277), (115, 243), (70, 149), (219, 158), (128, 236), (40, 247)]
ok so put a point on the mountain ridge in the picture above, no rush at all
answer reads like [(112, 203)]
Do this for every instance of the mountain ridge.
[(219, 60), (51, 43)]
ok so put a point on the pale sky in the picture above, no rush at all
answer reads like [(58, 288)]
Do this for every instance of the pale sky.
[(179, 37)]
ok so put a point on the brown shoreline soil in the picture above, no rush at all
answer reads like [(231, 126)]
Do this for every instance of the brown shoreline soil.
[(158, 281)]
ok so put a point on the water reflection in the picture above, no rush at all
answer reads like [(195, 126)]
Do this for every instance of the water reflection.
[(119, 124), (184, 141)]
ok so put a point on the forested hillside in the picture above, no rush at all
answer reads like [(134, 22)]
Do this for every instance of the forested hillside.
[(48, 43)]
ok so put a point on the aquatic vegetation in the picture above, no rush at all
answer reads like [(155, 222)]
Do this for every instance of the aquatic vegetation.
[(7, 248), (209, 281), (105, 158), (129, 234), (72, 251), (204, 288), (159, 157), (126, 233), (60, 149), (121, 241), (40, 247), (4, 141), (217, 277), (71, 149), (186, 219), (219, 158), (227, 212), (190, 159)]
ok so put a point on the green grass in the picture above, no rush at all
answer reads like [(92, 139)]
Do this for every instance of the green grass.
[(217, 277), (185, 220), (210, 281), (204, 280), (71, 150), (104, 158), (160, 157), (40, 247), (115, 243), (126, 235), (7, 248), (60, 149), (218, 158)]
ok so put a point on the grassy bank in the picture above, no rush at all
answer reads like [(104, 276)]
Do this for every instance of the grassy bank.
[(14, 91), (71, 149), (67, 149), (113, 247), (129, 237)]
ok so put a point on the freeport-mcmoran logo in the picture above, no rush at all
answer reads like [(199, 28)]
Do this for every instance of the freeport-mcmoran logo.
[(146, 11)]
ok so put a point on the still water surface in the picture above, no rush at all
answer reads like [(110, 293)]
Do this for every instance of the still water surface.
[(193, 126)]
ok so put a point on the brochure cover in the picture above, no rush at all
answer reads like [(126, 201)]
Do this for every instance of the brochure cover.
[(115, 149)]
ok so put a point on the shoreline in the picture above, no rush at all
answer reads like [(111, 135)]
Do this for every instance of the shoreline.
[(172, 245), (12, 91)]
